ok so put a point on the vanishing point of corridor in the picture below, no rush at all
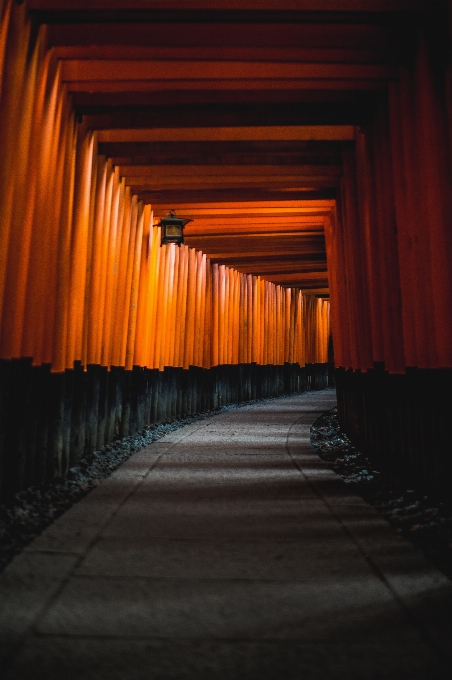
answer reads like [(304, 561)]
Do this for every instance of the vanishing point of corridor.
[(227, 549)]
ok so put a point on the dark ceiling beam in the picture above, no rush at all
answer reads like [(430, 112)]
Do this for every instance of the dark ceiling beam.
[(306, 287), (315, 278), (318, 292), (259, 270), (247, 246), (281, 227), (162, 85), (227, 153), (309, 148), (280, 278), (257, 207), (230, 160), (210, 220), (101, 116), (217, 34), (246, 133), (310, 259), (286, 177), (311, 262), (183, 172), (275, 100), (258, 235), (76, 70), (380, 55), (265, 243), (143, 184), (181, 196), (324, 6), (105, 117), (281, 240), (309, 220)]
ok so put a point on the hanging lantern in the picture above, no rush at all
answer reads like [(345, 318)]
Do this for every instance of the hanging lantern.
[(173, 228)]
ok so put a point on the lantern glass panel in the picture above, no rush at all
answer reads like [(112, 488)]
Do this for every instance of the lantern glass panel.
[(173, 231)]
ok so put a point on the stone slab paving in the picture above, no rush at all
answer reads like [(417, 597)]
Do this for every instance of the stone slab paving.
[(228, 549)]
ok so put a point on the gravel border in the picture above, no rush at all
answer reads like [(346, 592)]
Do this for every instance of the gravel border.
[(423, 522), (35, 508)]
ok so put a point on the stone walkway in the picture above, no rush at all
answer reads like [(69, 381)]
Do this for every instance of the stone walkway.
[(227, 550)]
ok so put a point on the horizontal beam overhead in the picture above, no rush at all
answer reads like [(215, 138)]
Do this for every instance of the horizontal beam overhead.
[(172, 197), (220, 34), (277, 234), (205, 171), (258, 207), (162, 86), (276, 265), (281, 240), (223, 108), (375, 55), (283, 227), (251, 152), (113, 113), (296, 184), (83, 70), (249, 133), (316, 278), (268, 5)]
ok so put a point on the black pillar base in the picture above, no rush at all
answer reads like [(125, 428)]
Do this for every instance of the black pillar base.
[(403, 423), (48, 421)]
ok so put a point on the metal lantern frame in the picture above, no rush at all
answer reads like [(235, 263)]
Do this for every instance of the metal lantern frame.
[(173, 228)]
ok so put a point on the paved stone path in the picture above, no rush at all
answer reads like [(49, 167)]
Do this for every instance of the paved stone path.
[(227, 550)]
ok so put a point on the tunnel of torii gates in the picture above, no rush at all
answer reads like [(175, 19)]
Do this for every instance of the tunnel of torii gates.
[(309, 141)]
